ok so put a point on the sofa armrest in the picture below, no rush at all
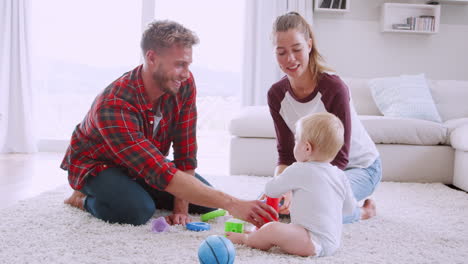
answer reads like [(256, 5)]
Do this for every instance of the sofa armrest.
[(459, 138), (459, 141)]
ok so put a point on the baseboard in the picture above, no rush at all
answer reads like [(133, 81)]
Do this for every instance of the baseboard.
[(455, 187), (53, 145)]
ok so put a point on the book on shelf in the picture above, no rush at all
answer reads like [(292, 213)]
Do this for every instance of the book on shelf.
[(326, 4), (422, 23), (411, 21), (335, 4), (343, 4), (427, 23), (340, 3), (401, 26)]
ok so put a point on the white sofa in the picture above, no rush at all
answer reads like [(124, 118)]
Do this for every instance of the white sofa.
[(411, 150)]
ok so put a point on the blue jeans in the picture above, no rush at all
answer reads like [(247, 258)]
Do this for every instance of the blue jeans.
[(363, 182), (114, 197)]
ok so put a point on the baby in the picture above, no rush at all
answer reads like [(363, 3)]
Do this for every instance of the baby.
[(321, 194)]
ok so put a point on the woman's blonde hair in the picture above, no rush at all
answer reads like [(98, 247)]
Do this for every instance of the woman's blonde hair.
[(324, 131), (294, 20)]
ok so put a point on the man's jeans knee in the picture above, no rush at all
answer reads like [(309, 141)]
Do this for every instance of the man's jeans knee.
[(113, 197)]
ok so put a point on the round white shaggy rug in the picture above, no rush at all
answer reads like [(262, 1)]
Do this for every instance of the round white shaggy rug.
[(416, 223)]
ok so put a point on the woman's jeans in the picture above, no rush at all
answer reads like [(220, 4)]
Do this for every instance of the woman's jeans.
[(363, 182), (114, 197)]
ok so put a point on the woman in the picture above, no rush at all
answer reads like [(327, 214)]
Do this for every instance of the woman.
[(308, 88)]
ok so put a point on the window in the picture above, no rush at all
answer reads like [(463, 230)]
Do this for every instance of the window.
[(217, 59), (78, 48)]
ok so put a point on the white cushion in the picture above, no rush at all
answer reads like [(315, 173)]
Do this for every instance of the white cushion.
[(253, 121), (404, 96), (256, 122), (393, 130), (459, 138), (450, 97), (361, 96)]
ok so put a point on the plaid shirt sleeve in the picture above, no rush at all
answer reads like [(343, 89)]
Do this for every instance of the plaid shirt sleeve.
[(185, 143), (120, 127)]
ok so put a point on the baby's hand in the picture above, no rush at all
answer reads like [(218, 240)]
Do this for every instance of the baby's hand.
[(284, 209), (261, 197)]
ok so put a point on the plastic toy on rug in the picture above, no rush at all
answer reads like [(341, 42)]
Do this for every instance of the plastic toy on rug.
[(159, 225), (234, 225), (198, 226), (212, 215), (216, 249), (273, 202)]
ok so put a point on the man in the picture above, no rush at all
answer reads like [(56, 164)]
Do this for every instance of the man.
[(116, 160)]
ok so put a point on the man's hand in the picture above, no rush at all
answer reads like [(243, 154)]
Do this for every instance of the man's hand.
[(252, 211), (190, 189), (178, 219), (284, 209), (179, 215)]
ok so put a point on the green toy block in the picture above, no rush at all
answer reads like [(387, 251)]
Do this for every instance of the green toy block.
[(234, 225)]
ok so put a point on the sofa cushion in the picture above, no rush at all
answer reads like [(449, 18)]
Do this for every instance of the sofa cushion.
[(450, 97), (361, 96), (404, 96), (459, 138), (394, 130), (256, 121), (253, 121)]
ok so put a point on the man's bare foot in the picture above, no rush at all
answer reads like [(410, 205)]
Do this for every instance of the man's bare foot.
[(368, 210), (236, 238), (76, 200)]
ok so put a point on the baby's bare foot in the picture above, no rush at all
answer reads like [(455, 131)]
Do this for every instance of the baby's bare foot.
[(76, 200), (368, 209), (236, 238)]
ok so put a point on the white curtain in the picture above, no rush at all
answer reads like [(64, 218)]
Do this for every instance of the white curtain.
[(16, 119), (260, 67)]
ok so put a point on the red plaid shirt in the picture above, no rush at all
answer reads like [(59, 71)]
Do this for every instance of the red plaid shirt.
[(118, 131)]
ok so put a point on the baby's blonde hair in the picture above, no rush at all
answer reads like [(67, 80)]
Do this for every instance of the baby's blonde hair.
[(324, 131)]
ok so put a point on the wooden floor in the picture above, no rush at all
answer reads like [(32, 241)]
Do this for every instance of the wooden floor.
[(27, 175), (24, 176)]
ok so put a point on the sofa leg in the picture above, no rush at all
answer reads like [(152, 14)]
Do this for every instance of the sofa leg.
[(460, 172)]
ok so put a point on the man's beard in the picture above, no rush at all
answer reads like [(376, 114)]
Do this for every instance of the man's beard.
[(161, 80)]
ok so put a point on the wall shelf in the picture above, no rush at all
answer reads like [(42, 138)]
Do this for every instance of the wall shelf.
[(332, 6), (424, 19)]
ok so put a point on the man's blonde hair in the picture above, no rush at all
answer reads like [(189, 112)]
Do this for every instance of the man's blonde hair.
[(164, 34), (324, 131)]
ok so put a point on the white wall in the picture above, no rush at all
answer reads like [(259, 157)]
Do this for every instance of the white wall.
[(354, 46)]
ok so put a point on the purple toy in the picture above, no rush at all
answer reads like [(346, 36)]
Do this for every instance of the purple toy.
[(159, 225)]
